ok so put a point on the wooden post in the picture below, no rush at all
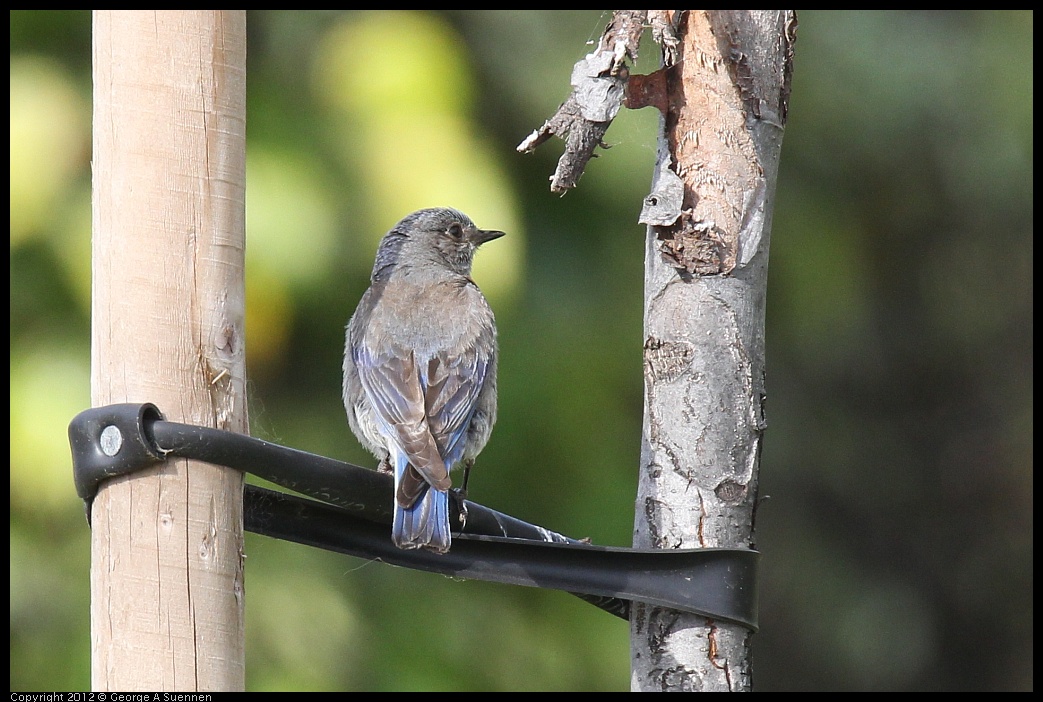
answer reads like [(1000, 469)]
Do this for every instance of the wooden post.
[(167, 328), (705, 282)]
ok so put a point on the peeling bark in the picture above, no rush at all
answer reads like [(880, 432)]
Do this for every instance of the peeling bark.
[(598, 82), (709, 217), (723, 95)]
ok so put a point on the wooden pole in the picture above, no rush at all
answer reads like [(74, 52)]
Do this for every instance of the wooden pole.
[(705, 282), (167, 328)]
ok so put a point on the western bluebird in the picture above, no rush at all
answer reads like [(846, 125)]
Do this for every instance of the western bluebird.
[(420, 367)]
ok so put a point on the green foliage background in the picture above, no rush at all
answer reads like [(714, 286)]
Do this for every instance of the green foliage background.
[(897, 539)]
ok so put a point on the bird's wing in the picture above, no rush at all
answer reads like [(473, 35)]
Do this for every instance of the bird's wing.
[(452, 383), (392, 383)]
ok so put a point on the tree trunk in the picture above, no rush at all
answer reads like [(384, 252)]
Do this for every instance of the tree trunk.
[(706, 263), (167, 328)]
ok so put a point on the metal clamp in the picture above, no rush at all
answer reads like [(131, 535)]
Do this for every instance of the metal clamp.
[(351, 512)]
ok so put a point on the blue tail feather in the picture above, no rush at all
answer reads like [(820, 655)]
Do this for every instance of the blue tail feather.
[(426, 523)]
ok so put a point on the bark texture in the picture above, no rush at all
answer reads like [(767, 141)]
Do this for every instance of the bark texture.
[(709, 214)]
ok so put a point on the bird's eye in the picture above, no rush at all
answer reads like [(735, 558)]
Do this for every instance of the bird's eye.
[(455, 230)]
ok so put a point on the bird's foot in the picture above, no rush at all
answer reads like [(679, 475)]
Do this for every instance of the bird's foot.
[(459, 496)]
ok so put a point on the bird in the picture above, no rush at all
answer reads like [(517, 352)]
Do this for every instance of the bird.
[(420, 358)]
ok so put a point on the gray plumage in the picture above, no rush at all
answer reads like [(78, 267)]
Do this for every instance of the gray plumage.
[(420, 367)]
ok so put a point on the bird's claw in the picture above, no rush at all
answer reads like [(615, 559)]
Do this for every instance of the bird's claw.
[(459, 496)]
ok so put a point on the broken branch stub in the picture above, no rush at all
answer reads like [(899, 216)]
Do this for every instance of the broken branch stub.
[(598, 86)]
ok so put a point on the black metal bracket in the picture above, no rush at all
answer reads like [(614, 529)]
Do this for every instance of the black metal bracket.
[(351, 513)]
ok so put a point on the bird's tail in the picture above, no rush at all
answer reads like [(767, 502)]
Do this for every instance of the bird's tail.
[(426, 523)]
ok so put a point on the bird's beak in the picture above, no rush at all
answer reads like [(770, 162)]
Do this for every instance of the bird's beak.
[(484, 235)]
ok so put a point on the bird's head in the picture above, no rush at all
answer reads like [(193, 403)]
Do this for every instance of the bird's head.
[(437, 237)]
